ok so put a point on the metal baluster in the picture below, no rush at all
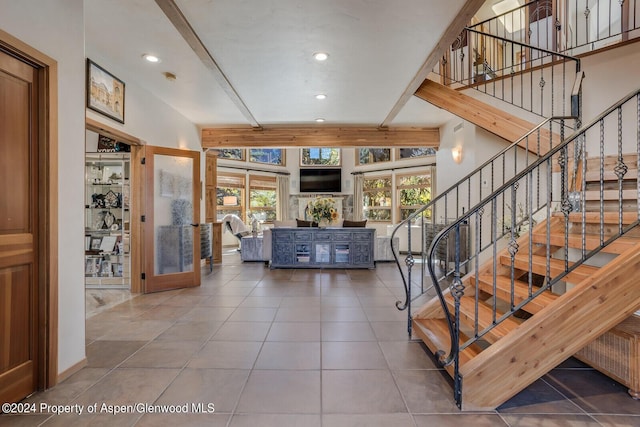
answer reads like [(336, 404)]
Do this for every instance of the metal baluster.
[(601, 182), (409, 261), (620, 170), (457, 291)]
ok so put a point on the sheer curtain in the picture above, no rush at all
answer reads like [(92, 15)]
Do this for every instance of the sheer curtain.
[(358, 214), (282, 197)]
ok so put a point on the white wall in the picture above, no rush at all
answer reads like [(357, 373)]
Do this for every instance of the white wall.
[(56, 28)]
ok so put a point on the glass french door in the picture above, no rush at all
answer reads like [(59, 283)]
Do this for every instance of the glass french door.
[(172, 218)]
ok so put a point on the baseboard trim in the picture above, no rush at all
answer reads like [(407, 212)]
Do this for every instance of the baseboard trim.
[(72, 370)]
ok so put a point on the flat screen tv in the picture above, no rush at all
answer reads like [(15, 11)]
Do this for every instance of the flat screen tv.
[(325, 180)]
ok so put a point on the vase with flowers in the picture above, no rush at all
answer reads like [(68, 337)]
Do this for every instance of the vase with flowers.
[(323, 210)]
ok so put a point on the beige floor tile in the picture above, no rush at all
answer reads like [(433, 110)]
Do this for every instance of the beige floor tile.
[(109, 354), (163, 354), (275, 420), (294, 331), (340, 302), (288, 302), (222, 301), (208, 313), (184, 420), (347, 331), (391, 330), (352, 355), (369, 420), (268, 302), (253, 314), (220, 387), (190, 331), (407, 355), (426, 391), (459, 419), (226, 355), (242, 331), (289, 355), (360, 392), (343, 314), (298, 314), (138, 330), (281, 392)]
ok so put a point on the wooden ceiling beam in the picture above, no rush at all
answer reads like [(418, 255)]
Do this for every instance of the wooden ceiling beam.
[(321, 136)]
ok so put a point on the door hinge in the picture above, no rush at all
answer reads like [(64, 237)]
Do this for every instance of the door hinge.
[(143, 276), (143, 218), (143, 161)]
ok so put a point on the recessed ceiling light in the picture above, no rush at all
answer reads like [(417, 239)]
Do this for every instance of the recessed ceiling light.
[(320, 56), (321, 96), (151, 58), (319, 120)]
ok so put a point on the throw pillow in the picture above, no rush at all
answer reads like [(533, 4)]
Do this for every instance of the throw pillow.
[(347, 223), (303, 223)]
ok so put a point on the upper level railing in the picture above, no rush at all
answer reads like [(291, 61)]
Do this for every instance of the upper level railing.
[(531, 78), (572, 27), (501, 225)]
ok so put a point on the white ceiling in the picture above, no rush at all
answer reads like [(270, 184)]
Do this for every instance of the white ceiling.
[(265, 47)]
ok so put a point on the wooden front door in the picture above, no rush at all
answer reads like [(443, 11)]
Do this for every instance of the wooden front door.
[(172, 219), (19, 319)]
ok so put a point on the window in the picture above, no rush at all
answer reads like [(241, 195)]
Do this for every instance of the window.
[(411, 153), (365, 156), (376, 193), (262, 197), (414, 191), (231, 153), (320, 156), (270, 156), (230, 195)]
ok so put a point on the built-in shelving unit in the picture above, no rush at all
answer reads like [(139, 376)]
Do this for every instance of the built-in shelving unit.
[(107, 220)]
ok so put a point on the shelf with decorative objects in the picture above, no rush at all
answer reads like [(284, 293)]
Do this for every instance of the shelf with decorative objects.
[(107, 220)]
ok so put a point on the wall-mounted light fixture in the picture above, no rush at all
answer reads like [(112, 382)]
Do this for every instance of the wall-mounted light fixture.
[(230, 200), (458, 140), (456, 153)]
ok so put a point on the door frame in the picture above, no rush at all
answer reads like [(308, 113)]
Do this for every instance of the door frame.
[(137, 190), (47, 70)]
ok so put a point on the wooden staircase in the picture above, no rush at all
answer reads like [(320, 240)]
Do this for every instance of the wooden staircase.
[(515, 351)]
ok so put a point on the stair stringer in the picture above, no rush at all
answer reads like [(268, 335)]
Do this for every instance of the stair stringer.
[(555, 333)]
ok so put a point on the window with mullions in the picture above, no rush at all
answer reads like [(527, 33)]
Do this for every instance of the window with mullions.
[(365, 156), (414, 191), (320, 156), (230, 195), (376, 198), (231, 153), (269, 156), (262, 197)]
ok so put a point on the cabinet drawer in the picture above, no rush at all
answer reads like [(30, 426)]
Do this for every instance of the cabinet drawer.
[(287, 236), (302, 235), (342, 235), (322, 236), (362, 236)]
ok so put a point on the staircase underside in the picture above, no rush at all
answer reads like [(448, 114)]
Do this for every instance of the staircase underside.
[(523, 351), (492, 119)]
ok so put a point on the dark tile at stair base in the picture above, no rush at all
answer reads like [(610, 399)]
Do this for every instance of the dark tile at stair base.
[(539, 398), (594, 392)]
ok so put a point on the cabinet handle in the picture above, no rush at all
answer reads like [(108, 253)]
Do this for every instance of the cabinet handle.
[(195, 225)]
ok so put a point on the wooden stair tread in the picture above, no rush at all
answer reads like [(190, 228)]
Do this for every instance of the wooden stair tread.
[(539, 266), (485, 318), (594, 217), (610, 175), (435, 334), (521, 292), (592, 241), (627, 194)]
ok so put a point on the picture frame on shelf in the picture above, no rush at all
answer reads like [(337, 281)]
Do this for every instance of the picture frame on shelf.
[(95, 243), (92, 266), (105, 92)]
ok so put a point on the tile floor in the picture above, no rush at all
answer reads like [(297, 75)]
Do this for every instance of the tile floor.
[(294, 348)]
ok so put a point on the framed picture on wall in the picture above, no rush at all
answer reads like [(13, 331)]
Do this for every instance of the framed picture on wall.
[(105, 92)]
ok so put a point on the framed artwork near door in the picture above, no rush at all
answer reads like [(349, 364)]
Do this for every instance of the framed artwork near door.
[(105, 92)]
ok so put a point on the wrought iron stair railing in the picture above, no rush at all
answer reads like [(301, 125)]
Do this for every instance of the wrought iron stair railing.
[(461, 197), (501, 225)]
